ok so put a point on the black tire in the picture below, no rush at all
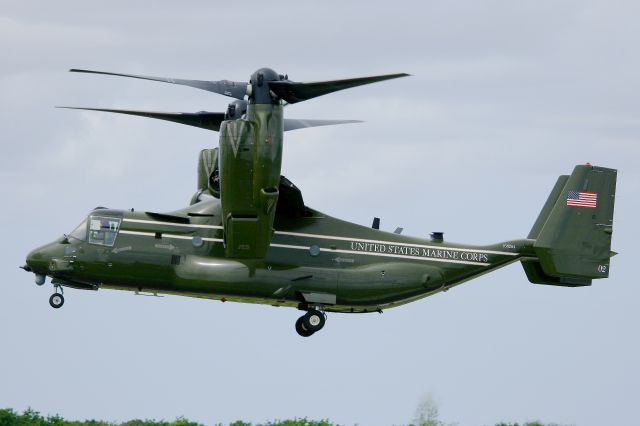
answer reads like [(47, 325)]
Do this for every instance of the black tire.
[(301, 330), (313, 320), (56, 300)]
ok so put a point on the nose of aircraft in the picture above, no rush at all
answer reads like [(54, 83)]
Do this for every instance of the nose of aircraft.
[(38, 260)]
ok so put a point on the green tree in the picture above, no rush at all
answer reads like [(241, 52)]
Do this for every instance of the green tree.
[(534, 423), (428, 413), (299, 422)]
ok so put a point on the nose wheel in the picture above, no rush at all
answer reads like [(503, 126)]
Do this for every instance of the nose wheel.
[(56, 300), (310, 323)]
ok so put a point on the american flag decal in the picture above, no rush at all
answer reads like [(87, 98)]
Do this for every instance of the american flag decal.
[(582, 199)]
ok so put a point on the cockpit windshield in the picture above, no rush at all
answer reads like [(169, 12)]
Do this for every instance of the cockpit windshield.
[(103, 230), (80, 233)]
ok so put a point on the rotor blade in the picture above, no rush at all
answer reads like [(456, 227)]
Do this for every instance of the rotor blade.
[(233, 89), (294, 124), (293, 92), (202, 119), (211, 120)]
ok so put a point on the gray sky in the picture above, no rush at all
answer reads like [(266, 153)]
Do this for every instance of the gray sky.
[(504, 97)]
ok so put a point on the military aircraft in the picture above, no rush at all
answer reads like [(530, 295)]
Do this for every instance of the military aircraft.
[(247, 235)]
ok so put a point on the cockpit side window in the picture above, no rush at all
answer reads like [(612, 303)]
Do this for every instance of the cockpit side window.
[(80, 233), (103, 230)]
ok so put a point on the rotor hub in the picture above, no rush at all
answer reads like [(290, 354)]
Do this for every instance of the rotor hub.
[(260, 91), (236, 110)]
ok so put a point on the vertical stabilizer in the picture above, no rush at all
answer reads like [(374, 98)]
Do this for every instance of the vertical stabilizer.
[(573, 230), (548, 207)]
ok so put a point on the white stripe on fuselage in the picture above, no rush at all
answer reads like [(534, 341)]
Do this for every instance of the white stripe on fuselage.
[(332, 237), (184, 225), (361, 240), (397, 256), (328, 237), (177, 237)]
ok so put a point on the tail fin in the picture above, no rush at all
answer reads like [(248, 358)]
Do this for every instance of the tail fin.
[(573, 231)]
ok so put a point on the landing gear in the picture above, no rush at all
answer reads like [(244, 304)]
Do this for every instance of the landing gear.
[(301, 331), (56, 300), (310, 322)]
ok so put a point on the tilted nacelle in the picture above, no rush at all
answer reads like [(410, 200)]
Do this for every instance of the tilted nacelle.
[(250, 164), (244, 172), (250, 152)]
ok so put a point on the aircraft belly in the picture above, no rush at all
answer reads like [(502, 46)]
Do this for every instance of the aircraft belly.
[(375, 268), (228, 277), (382, 283)]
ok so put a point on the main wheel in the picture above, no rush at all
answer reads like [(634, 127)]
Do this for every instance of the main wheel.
[(313, 320), (301, 330), (56, 300)]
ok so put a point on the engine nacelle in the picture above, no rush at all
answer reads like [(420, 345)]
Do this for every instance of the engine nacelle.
[(250, 161), (208, 175)]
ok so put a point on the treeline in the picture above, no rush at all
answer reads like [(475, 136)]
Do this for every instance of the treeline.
[(32, 418), (8, 417)]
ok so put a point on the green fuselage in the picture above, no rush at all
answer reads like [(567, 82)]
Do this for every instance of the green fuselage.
[(249, 237), (312, 260)]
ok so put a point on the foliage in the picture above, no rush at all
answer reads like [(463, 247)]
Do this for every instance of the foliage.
[(426, 415), (30, 418), (293, 422), (33, 418), (299, 422), (535, 423), (180, 421)]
